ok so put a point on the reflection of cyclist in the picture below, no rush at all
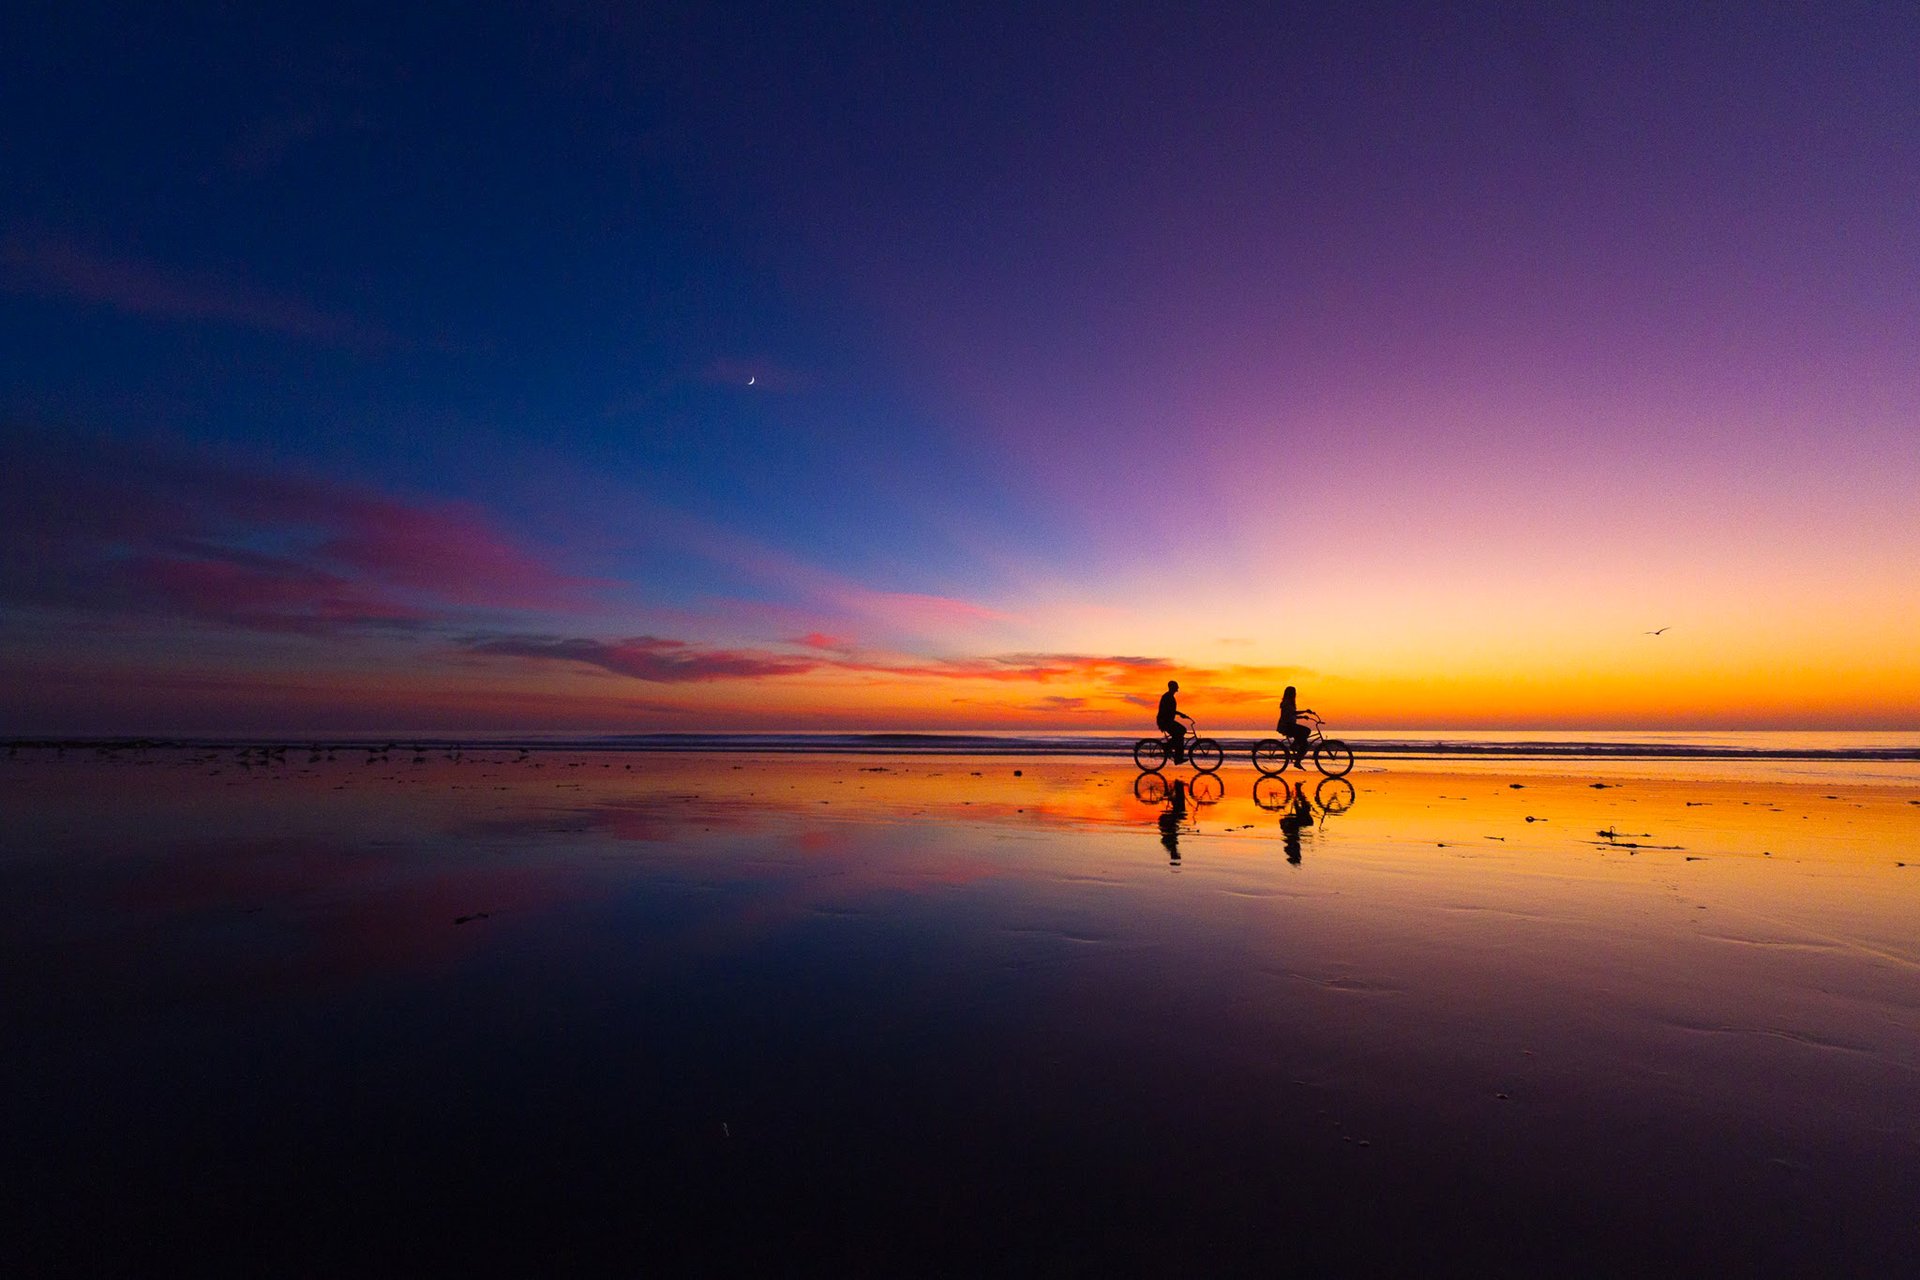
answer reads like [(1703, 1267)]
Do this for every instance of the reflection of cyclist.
[(1169, 720), (1170, 821), (1290, 726), (1290, 826)]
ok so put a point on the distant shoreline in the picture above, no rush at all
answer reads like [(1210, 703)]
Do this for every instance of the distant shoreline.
[(1751, 745)]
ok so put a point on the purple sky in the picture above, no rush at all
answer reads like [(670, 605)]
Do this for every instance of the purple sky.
[(406, 361)]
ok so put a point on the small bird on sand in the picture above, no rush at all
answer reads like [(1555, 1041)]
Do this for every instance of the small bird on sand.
[(1655, 633)]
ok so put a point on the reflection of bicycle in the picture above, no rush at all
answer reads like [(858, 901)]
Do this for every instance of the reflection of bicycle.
[(1333, 795), (1203, 754), (1151, 788), (1272, 793), (1330, 755)]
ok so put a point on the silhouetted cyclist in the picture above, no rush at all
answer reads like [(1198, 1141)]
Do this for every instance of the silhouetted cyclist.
[(1169, 720), (1290, 726)]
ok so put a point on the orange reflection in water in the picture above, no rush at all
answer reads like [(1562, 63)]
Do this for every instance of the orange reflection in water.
[(1754, 856), (1540, 980)]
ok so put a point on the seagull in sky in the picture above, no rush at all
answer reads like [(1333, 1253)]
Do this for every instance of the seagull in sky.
[(1655, 633)]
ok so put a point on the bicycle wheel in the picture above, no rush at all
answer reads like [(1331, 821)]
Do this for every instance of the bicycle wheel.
[(1150, 753), (1207, 789), (1333, 795), (1205, 755), (1150, 788), (1271, 792), (1270, 756), (1333, 758)]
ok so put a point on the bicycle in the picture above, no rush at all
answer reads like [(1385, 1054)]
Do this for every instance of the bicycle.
[(1152, 754), (1330, 755)]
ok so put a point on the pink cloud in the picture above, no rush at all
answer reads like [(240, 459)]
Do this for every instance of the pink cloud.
[(654, 658), (650, 658), (269, 596), (110, 529), (1028, 667), (447, 550), (818, 640)]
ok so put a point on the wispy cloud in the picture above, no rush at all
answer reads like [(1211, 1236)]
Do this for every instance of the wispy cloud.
[(243, 592), (658, 659), (110, 529), (1056, 704), (649, 658), (60, 268), (819, 640), (1022, 668)]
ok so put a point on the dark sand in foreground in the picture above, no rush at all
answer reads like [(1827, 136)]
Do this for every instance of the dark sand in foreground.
[(921, 1014)]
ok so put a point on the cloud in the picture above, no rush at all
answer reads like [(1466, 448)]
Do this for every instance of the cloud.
[(58, 268), (447, 549), (649, 658), (818, 640), (109, 529), (1056, 702), (662, 660), (1028, 667), (252, 593)]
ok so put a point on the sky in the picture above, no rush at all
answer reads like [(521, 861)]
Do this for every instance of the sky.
[(629, 368)]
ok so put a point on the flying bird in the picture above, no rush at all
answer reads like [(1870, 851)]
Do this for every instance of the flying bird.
[(1655, 633)]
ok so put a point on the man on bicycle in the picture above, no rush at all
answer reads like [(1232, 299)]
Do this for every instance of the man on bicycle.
[(1169, 720), (1295, 733)]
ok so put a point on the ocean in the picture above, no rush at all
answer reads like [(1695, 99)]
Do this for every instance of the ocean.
[(1407, 744)]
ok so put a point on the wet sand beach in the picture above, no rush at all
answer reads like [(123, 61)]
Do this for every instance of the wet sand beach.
[(604, 1011)]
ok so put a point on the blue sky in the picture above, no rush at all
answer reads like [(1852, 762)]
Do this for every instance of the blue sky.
[(1259, 337)]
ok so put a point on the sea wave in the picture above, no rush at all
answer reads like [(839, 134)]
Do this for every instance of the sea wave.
[(1399, 744)]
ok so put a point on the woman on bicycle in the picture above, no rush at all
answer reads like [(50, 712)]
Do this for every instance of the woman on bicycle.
[(1290, 726)]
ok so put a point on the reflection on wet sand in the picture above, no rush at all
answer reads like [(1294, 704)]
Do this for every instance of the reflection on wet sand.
[(1298, 817), (1170, 820), (891, 1009)]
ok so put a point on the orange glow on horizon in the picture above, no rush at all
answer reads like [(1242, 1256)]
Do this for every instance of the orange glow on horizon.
[(1110, 699)]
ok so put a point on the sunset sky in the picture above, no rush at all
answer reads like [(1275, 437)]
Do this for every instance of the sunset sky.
[(622, 367)]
